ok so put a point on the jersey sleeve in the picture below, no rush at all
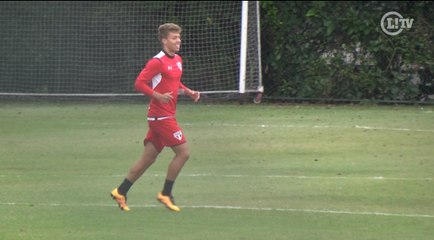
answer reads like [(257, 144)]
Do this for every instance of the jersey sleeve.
[(152, 68), (182, 86)]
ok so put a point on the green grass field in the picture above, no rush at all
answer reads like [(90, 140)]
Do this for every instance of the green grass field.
[(262, 172)]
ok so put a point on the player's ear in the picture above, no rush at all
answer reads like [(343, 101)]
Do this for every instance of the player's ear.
[(163, 41)]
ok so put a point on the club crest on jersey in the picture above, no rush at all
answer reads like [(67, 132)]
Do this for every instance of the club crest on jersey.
[(179, 65), (178, 135)]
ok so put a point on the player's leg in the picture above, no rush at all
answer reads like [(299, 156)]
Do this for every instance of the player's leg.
[(182, 153), (148, 157)]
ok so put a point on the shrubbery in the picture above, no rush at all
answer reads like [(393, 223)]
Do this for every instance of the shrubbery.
[(338, 50)]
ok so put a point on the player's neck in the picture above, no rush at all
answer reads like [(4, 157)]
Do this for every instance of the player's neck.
[(169, 54)]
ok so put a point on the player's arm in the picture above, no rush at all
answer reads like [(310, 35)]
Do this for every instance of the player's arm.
[(195, 95), (152, 68)]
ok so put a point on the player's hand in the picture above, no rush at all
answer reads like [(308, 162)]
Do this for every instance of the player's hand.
[(195, 95), (164, 98)]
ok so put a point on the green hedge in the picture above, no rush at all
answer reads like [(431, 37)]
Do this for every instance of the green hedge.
[(305, 45)]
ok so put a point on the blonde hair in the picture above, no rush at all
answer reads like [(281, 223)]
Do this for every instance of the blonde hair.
[(163, 30)]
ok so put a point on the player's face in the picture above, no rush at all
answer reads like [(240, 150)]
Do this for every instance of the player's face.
[(172, 43)]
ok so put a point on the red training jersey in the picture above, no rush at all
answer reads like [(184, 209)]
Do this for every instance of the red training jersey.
[(163, 74)]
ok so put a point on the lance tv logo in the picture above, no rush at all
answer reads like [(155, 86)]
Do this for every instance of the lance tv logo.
[(392, 23)]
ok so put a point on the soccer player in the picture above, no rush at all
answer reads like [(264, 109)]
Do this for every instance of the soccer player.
[(161, 80)]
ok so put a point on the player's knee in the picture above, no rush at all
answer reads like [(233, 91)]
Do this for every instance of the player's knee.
[(184, 155)]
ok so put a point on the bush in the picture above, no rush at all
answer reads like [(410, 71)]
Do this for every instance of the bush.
[(338, 50)]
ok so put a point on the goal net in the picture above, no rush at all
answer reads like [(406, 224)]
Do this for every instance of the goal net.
[(94, 48)]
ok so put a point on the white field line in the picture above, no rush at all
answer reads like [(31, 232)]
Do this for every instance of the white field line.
[(307, 177), (290, 176), (309, 126), (394, 129), (204, 175), (319, 211)]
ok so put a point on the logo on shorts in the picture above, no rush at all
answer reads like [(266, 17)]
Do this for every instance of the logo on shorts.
[(178, 135)]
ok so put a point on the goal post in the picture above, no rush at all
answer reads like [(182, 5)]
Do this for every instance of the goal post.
[(250, 51), (243, 47), (97, 48)]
